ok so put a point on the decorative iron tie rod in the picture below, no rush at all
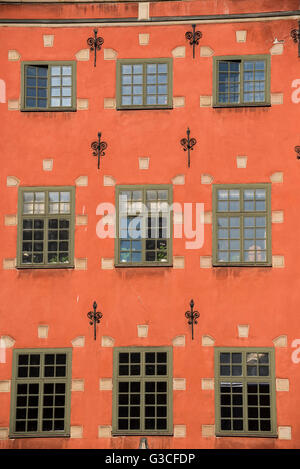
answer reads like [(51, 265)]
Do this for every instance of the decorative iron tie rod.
[(192, 317), (297, 150), (95, 44), (99, 148), (94, 317), (295, 35), (194, 38), (188, 144)]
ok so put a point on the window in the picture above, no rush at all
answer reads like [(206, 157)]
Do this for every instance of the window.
[(242, 224), (48, 86), (144, 83), (40, 403), (242, 81), (46, 221), (245, 391), (142, 401), (144, 225)]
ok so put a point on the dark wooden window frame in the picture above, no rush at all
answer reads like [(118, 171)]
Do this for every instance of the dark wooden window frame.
[(144, 62), (142, 378), (46, 216), (244, 379), (241, 59), (41, 380), (48, 108)]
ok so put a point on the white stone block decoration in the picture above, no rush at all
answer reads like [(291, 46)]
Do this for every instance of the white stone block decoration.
[(144, 39), (78, 341), (48, 40), (179, 341), (178, 180), (284, 433), (143, 13), (43, 332), (179, 52), (12, 181), (110, 54), (83, 55), (76, 431), (208, 341), (178, 262), (47, 164), (142, 330), (179, 431), (241, 36), (280, 341), (104, 431), (206, 51), (13, 55)]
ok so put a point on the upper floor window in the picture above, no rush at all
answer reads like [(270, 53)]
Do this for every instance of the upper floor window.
[(144, 225), (245, 391), (48, 86), (242, 224), (242, 81), (46, 224), (142, 391), (144, 83), (41, 385)]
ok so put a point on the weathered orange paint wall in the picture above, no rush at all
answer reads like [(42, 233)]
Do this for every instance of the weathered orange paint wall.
[(267, 299)]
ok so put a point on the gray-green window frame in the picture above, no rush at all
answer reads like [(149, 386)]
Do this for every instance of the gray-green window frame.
[(46, 216), (145, 263), (244, 379), (242, 214), (242, 59), (142, 378), (144, 62), (49, 108), (41, 380)]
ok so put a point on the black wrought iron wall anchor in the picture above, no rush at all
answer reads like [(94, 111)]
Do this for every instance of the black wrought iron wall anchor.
[(99, 148), (192, 317), (95, 44), (193, 37), (94, 317), (297, 150), (295, 35), (188, 144)]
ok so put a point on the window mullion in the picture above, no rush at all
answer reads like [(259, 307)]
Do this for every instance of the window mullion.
[(41, 392), (242, 81), (143, 388), (244, 380), (144, 84), (144, 225), (48, 86), (46, 222)]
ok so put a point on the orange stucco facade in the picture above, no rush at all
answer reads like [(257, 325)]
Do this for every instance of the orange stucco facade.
[(265, 298)]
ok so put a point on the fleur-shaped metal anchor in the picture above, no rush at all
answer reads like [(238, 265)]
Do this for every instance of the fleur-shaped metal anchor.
[(99, 148), (188, 144), (94, 317), (192, 317), (297, 150), (95, 44), (193, 37)]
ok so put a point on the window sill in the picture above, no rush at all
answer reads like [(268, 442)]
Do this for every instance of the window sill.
[(143, 108), (220, 106), (241, 265), (247, 435), (13, 436), (142, 433), (49, 110), (23, 267), (165, 264)]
